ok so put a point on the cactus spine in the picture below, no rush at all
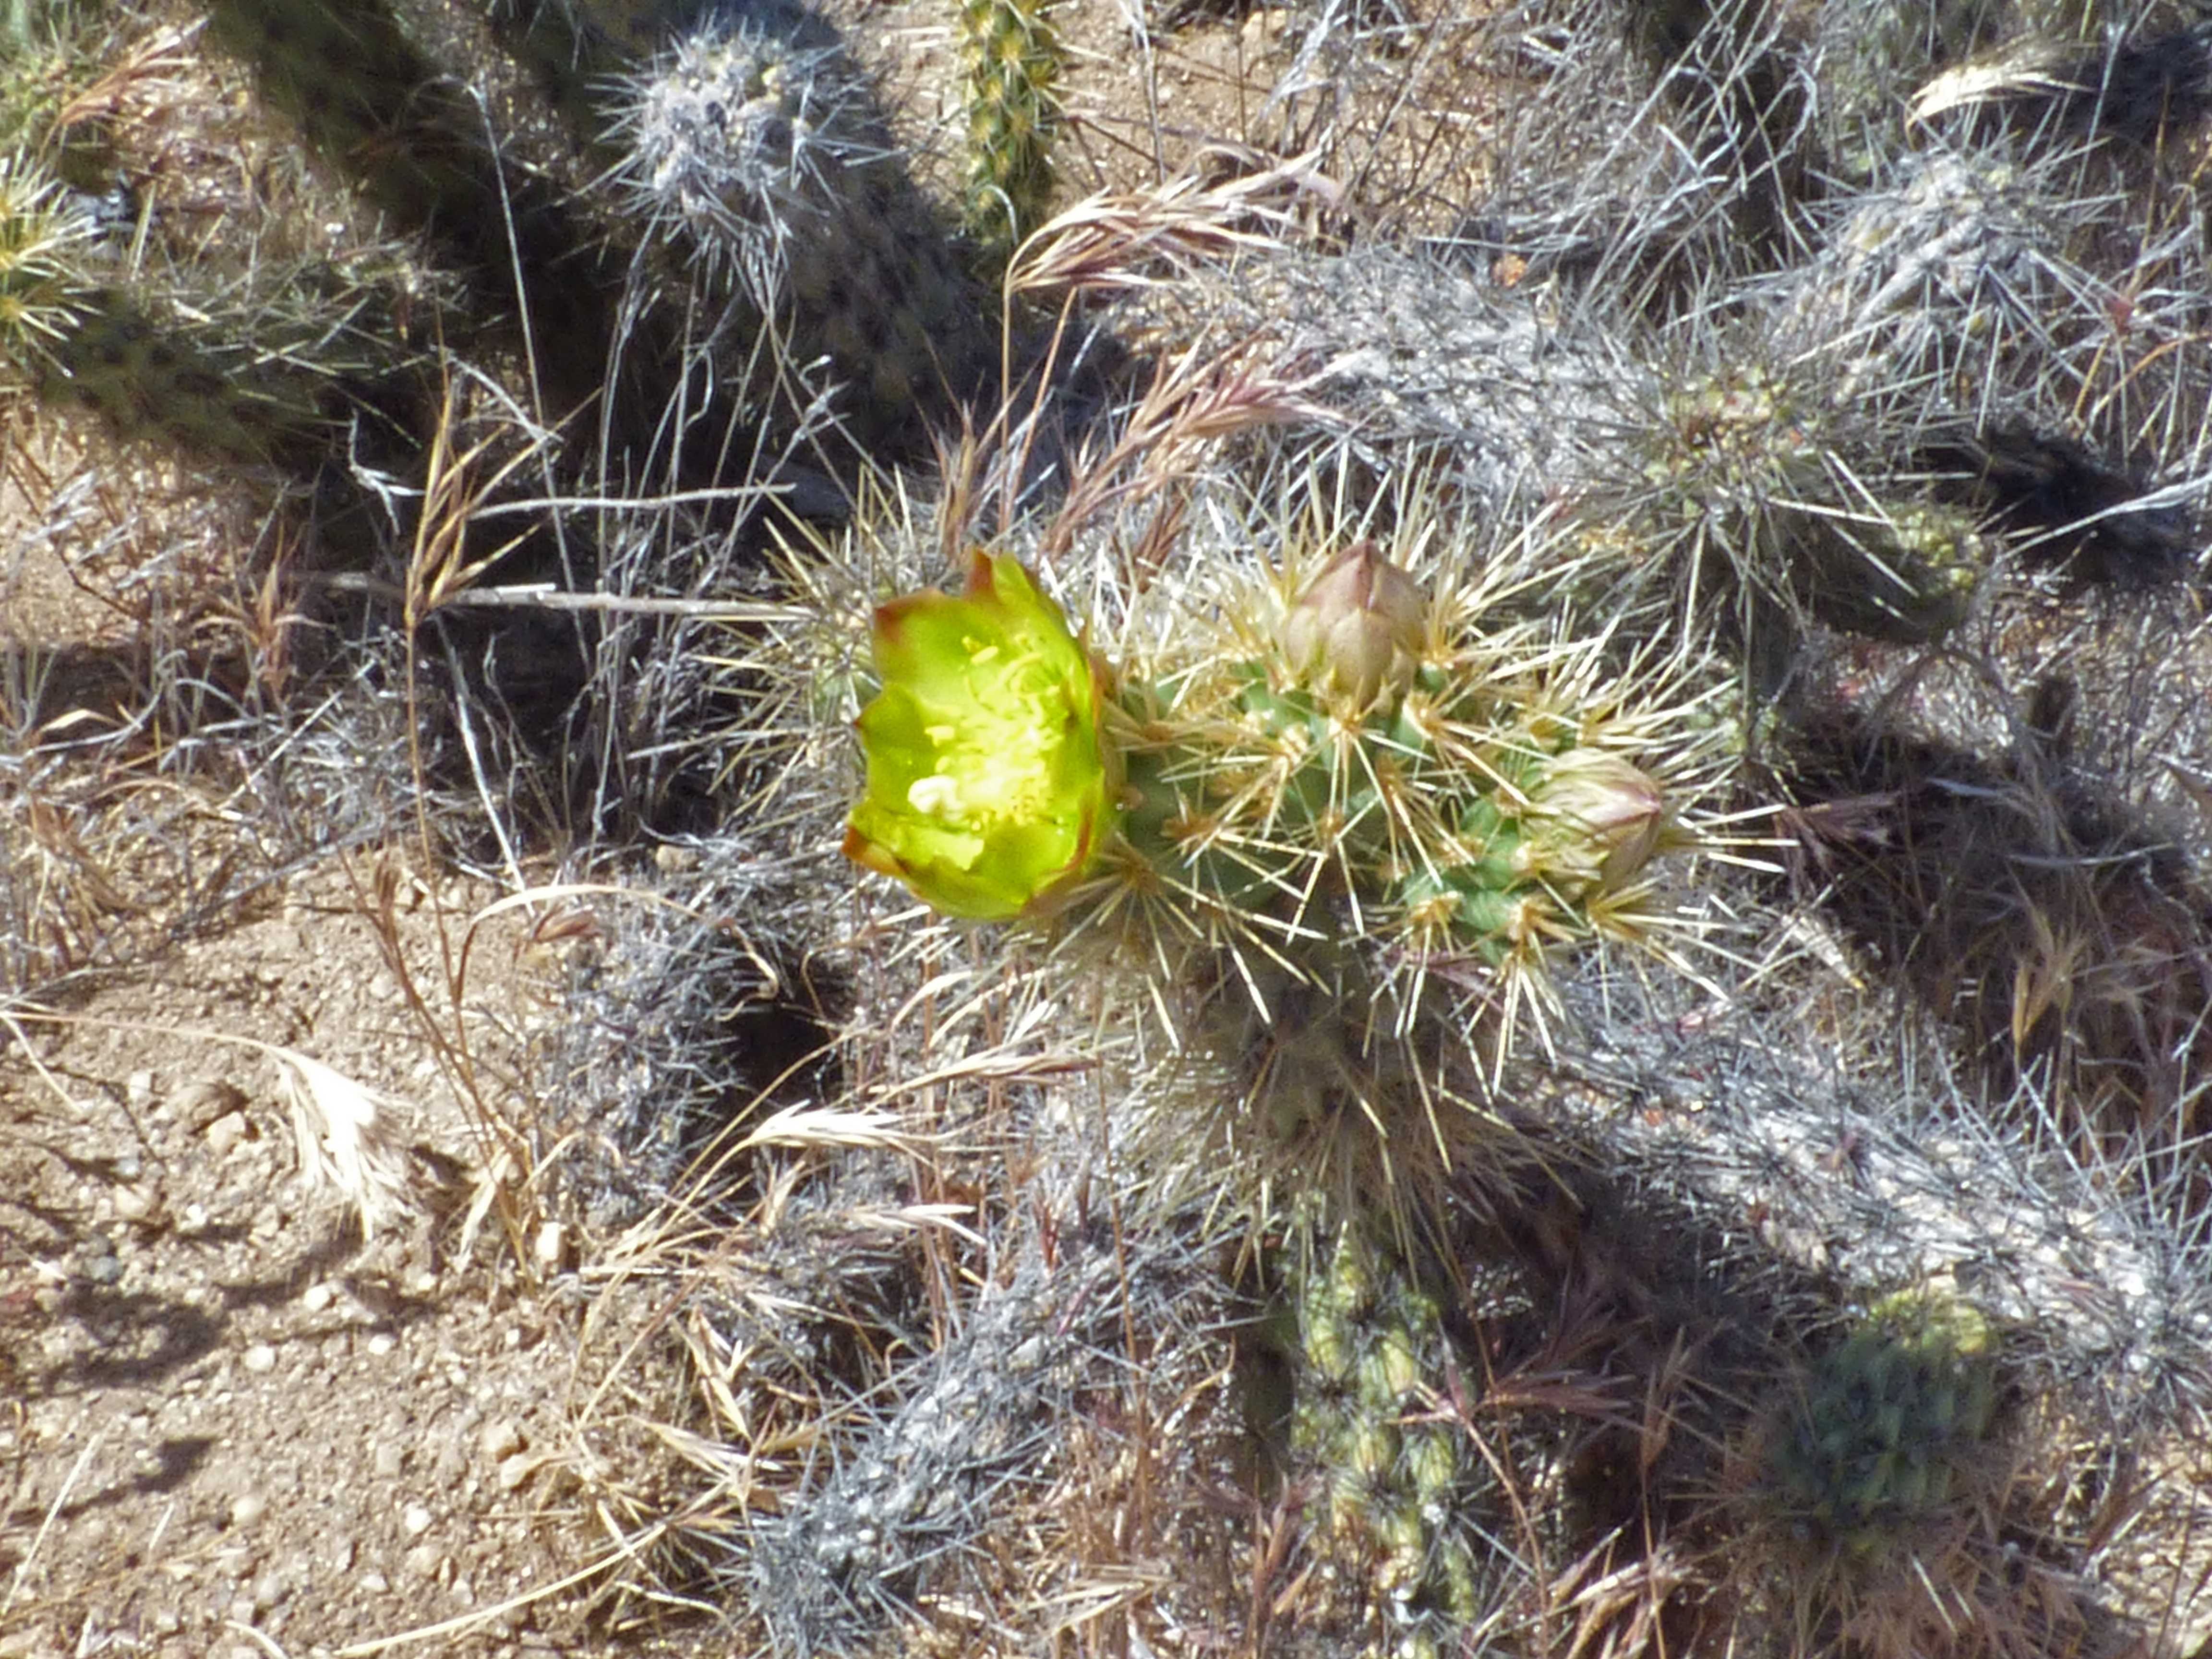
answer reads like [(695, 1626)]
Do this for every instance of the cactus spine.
[(41, 299)]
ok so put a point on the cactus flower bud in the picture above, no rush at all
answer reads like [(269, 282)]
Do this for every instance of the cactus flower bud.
[(1358, 627), (1607, 817), (988, 787)]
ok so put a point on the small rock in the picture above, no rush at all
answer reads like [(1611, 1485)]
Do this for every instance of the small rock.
[(247, 1509), (382, 1343), (200, 1104), (1264, 27), (224, 1134), (515, 1472), (389, 1459), (138, 1091), (260, 1357), (550, 1246), (423, 1561), (317, 1297), (452, 1462), (375, 1582), (417, 1520), (500, 1440), (136, 1203)]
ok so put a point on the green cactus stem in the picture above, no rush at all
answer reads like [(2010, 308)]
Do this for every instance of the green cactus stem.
[(1887, 1433), (1369, 1349), (1013, 57)]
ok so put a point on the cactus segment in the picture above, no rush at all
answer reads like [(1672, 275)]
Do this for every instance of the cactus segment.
[(1013, 57), (1749, 473), (1886, 1433), (1417, 790), (227, 379), (145, 379), (1370, 1340), (760, 160)]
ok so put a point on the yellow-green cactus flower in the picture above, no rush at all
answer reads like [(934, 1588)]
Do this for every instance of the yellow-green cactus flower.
[(988, 787)]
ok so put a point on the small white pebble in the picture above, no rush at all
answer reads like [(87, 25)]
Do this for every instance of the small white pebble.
[(388, 1459), (260, 1357), (550, 1246), (135, 1203), (317, 1297), (247, 1510), (382, 1343), (375, 1582), (415, 1519), (224, 1134)]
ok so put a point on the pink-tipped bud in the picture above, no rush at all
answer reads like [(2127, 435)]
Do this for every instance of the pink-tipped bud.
[(1357, 628), (1607, 816)]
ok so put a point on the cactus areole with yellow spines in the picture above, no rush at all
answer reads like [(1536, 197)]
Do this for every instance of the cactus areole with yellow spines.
[(989, 788)]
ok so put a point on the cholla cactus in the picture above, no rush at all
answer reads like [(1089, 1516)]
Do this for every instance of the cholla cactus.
[(1325, 827)]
